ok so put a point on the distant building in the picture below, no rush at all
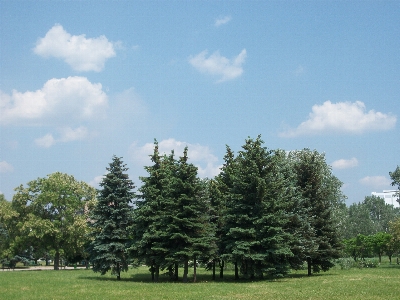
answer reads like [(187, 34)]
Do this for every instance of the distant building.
[(390, 197)]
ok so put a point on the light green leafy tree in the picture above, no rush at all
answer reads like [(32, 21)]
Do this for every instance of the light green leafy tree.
[(7, 216), (52, 215)]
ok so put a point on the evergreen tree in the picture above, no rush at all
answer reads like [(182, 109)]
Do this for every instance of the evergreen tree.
[(221, 193), (150, 241), (395, 176), (216, 215), (255, 216), (321, 191), (189, 230), (110, 220)]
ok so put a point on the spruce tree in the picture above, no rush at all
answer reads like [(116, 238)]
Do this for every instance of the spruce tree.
[(255, 218), (189, 230), (150, 241), (321, 192), (110, 220)]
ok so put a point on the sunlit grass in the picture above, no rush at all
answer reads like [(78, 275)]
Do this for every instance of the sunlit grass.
[(376, 283)]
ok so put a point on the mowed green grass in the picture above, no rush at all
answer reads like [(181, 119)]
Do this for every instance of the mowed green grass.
[(377, 283)]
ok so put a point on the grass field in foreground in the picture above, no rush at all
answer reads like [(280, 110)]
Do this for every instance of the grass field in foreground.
[(377, 283)]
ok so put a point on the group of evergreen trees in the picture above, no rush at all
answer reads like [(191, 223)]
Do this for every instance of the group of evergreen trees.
[(266, 212)]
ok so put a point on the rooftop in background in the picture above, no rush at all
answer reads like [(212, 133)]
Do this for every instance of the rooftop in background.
[(390, 197)]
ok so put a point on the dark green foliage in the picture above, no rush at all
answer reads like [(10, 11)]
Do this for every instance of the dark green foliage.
[(321, 192), (256, 211), (189, 230), (395, 176), (110, 220), (150, 244), (172, 217)]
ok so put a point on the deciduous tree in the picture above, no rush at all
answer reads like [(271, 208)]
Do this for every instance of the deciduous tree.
[(52, 214)]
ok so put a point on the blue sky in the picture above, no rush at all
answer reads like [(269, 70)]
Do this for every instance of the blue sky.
[(81, 81)]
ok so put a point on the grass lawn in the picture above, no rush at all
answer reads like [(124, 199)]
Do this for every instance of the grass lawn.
[(376, 283)]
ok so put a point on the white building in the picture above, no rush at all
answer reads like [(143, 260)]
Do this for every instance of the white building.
[(390, 197)]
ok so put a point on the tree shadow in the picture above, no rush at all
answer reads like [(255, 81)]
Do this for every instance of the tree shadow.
[(200, 278)]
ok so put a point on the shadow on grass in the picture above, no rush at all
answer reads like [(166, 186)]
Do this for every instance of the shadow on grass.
[(201, 278)]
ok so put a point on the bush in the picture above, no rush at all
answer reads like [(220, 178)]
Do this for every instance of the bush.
[(348, 263), (345, 263), (368, 263)]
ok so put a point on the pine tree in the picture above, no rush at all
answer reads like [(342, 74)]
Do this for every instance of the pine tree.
[(189, 230), (256, 241), (150, 241), (321, 192), (110, 220)]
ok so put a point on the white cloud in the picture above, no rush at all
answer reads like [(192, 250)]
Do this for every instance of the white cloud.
[(199, 155), (81, 53), (345, 163), (5, 167), (222, 21), (66, 134), (96, 181), (219, 65), (59, 101), (376, 182), (45, 141), (345, 117)]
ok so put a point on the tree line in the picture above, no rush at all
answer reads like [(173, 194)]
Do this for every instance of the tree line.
[(266, 212)]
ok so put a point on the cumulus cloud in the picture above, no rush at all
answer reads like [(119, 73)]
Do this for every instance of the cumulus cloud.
[(96, 181), (45, 141), (59, 100), (222, 21), (217, 65), (342, 117), (345, 163), (81, 53), (376, 182), (199, 155), (66, 134), (5, 167)]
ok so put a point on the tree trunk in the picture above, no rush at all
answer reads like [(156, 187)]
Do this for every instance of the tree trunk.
[(309, 265), (176, 271), (194, 269), (221, 268), (157, 272), (118, 272), (380, 257), (185, 269), (57, 260), (152, 270), (236, 271), (213, 269), (390, 259)]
